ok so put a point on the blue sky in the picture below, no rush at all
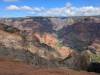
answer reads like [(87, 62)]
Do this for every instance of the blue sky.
[(16, 8)]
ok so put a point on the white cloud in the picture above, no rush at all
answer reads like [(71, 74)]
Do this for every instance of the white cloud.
[(90, 10), (21, 8), (26, 8), (10, 0), (12, 7), (67, 10)]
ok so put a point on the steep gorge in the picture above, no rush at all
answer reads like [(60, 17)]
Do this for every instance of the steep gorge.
[(36, 41)]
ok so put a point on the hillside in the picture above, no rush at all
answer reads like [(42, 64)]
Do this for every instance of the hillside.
[(58, 42), (17, 68)]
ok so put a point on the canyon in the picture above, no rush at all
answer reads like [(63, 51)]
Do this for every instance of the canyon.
[(51, 42)]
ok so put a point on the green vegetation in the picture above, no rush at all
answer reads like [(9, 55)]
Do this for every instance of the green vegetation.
[(95, 58), (59, 44), (9, 30)]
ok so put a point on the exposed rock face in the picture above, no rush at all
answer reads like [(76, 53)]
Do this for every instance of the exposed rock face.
[(10, 40), (15, 41), (19, 47), (50, 42), (80, 35)]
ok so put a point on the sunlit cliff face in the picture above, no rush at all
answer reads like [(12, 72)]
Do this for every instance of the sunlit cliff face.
[(68, 43)]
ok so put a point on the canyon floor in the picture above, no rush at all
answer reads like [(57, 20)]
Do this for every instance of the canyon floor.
[(8, 67)]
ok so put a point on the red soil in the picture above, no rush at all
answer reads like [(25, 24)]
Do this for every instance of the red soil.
[(17, 68)]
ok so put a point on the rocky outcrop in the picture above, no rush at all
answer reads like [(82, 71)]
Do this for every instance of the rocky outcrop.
[(44, 43), (53, 42), (23, 40), (17, 41), (80, 35)]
